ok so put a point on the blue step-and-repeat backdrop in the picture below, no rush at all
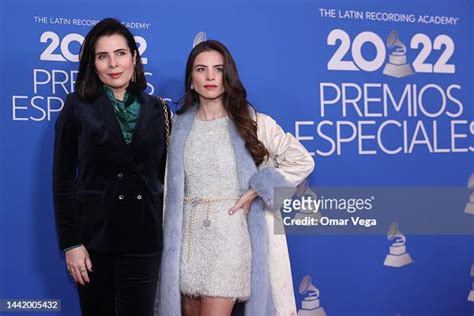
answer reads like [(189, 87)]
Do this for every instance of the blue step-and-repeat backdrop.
[(380, 93)]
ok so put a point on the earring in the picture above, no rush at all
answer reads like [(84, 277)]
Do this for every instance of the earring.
[(192, 86)]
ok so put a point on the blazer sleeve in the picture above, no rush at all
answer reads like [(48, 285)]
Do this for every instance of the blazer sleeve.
[(64, 176), (292, 162)]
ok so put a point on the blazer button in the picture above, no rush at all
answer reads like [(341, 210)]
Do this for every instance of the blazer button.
[(121, 197), (120, 174), (139, 197)]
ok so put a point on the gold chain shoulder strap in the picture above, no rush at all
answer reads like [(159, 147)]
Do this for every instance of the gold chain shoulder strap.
[(167, 119)]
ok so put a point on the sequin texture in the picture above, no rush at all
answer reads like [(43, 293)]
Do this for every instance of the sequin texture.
[(216, 250)]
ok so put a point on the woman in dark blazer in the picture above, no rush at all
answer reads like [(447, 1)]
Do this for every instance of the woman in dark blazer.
[(109, 162)]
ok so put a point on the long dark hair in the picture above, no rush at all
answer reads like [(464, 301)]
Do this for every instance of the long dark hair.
[(88, 84), (234, 98)]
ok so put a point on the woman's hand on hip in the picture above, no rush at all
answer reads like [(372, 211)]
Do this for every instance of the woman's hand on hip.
[(244, 202), (79, 264)]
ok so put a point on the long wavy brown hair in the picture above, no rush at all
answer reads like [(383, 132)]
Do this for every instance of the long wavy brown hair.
[(234, 98)]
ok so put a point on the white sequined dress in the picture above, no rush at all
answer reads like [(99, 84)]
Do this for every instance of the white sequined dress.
[(216, 250)]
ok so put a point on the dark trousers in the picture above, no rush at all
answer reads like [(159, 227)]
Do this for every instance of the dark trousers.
[(239, 309), (121, 284)]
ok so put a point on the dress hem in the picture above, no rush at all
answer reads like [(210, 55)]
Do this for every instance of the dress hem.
[(201, 295)]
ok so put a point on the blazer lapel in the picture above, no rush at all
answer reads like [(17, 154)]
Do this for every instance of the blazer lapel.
[(107, 115), (142, 120)]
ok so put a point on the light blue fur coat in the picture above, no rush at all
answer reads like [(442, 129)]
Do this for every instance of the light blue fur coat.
[(168, 297)]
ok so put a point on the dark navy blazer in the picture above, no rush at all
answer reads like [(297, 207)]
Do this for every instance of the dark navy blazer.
[(108, 195)]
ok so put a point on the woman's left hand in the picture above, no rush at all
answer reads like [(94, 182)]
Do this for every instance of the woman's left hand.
[(244, 202)]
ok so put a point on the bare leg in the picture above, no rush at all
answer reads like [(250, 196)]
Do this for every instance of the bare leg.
[(213, 306), (191, 306)]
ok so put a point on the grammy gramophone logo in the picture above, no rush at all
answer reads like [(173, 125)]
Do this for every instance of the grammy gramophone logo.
[(310, 305), (200, 37), (470, 297), (304, 191), (398, 256), (397, 60), (470, 204)]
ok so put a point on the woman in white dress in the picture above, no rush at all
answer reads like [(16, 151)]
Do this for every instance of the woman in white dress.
[(225, 161)]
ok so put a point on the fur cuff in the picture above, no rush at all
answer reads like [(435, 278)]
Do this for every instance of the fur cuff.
[(265, 181)]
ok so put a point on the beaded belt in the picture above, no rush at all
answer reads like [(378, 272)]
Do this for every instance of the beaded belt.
[(198, 201), (207, 221)]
